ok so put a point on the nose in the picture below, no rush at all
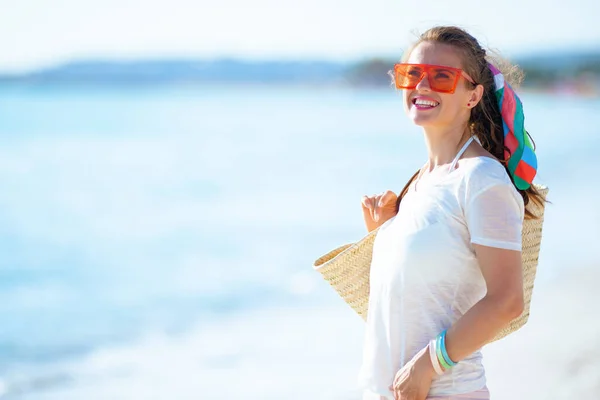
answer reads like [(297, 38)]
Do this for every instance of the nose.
[(423, 83)]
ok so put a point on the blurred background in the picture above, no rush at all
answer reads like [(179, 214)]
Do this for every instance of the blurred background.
[(170, 170)]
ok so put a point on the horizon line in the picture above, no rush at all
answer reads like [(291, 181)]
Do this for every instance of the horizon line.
[(6, 70)]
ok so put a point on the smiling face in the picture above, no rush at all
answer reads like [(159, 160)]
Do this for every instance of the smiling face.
[(428, 108)]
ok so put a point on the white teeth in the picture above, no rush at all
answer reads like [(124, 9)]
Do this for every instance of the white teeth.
[(429, 103)]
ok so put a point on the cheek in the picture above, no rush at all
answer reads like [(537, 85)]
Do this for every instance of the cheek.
[(451, 103), (459, 99)]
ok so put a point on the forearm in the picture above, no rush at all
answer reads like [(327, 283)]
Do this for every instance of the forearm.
[(479, 325)]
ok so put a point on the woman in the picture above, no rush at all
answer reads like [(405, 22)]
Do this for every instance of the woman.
[(446, 272)]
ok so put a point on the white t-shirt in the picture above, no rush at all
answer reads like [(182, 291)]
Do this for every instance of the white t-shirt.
[(424, 273)]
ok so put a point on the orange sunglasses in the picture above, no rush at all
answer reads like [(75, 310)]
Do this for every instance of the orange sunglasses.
[(441, 79)]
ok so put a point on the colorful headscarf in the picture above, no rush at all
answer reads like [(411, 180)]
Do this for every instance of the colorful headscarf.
[(522, 162)]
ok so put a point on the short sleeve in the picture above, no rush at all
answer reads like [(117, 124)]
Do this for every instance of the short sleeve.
[(494, 216)]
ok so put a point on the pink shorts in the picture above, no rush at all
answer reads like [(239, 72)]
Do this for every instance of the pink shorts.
[(481, 394)]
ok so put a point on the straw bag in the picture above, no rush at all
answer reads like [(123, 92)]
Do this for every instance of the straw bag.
[(347, 267)]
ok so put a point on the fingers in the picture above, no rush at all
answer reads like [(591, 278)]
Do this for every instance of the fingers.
[(370, 201), (388, 197), (378, 208), (379, 200), (370, 206), (399, 383)]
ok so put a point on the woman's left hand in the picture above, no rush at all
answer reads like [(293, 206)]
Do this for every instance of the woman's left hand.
[(412, 382)]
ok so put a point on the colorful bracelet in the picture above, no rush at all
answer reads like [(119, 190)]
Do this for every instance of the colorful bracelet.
[(434, 360), (442, 346), (439, 354)]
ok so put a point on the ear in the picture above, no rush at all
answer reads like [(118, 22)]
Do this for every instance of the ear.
[(475, 96)]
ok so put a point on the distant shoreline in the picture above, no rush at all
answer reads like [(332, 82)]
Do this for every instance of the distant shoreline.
[(576, 75)]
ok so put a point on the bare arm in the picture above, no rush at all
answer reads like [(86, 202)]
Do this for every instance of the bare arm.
[(503, 302)]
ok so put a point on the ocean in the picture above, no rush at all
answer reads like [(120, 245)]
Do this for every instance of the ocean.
[(158, 242)]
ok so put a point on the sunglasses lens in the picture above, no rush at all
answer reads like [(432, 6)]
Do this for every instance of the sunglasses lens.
[(442, 79), (408, 76)]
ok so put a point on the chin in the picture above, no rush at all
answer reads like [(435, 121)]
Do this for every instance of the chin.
[(423, 120)]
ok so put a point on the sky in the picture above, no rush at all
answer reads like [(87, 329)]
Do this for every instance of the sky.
[(39, 33)]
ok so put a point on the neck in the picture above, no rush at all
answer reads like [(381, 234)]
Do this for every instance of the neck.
[(444, 144)]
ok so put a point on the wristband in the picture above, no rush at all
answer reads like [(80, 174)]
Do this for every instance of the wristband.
[(443, 350), (439, 354), (434, 360)]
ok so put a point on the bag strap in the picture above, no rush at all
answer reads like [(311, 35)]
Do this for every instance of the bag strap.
[(405, 190)]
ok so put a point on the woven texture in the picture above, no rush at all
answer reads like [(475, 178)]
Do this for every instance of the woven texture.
[(347, 267)]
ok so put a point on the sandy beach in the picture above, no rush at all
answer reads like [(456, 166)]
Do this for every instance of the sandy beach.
[(557, 354)]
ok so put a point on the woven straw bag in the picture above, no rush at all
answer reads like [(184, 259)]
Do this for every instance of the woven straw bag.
[(347, 267)]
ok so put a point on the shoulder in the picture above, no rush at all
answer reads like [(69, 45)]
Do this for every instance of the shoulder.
[(486, 174), (483, 171)]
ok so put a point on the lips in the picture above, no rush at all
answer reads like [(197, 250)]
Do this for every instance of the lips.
[(423, 103)]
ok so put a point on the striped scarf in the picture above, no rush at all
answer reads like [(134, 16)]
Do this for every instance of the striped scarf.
[(522, 162)]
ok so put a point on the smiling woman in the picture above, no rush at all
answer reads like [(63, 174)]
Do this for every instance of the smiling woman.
[(446, 273)]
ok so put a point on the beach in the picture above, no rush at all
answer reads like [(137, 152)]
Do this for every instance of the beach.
[(314, 352), (556, 355)]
